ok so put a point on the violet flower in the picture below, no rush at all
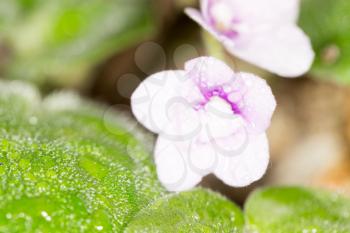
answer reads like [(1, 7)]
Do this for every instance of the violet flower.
[(262, 32), (209, 120)]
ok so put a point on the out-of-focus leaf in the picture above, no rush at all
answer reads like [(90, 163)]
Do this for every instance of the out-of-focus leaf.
[(327, 22), (68, 166), (291, 209), (193, 211), (60, 41)]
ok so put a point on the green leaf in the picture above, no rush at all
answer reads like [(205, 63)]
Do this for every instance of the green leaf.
[(63, 167), (292, 209), (327, 22), (60, 41), (193, 211), (69, 165)]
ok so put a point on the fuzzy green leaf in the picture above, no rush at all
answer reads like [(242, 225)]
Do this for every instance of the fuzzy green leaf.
[(64, 167), (68, 165), (193, 211), (291, 209)]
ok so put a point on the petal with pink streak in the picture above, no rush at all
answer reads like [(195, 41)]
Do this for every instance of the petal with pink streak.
[(199, 18), (219, 121), (210, 71), (258, 103)]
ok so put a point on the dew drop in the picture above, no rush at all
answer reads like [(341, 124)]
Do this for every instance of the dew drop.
[(46, 216)]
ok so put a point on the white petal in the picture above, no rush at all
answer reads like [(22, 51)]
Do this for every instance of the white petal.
[(285, 50), (210, 70), (267, 11), (202, 158), (172, 163), (156, 97), (258, 103), (184, 122), (241, 169)]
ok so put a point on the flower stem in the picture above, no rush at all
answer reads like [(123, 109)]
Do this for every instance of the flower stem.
[(212, 46)]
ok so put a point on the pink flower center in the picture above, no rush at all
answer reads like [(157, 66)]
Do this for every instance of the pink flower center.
[(216, 91)]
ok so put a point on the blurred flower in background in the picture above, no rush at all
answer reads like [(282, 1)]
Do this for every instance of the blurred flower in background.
[(264, 33)]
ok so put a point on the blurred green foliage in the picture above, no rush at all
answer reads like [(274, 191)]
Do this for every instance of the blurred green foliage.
[(292, 209), (327, 22), (60, 41), (67, 166)]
